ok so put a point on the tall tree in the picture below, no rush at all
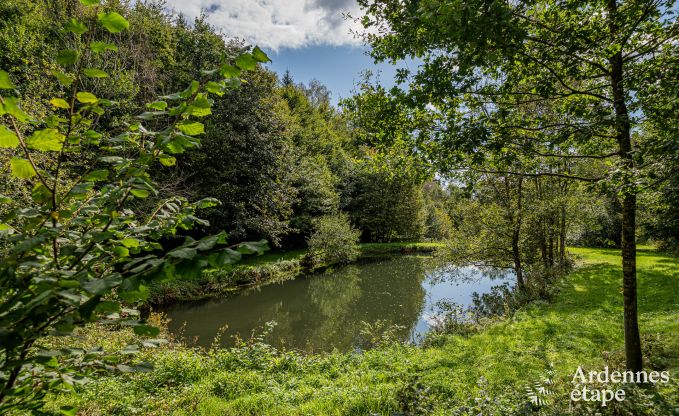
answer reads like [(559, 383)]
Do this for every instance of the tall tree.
[(582, 65)]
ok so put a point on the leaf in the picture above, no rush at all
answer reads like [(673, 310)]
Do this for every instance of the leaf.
[(68, 410), (96, 176), (146, 330), (8, 139), (228, 71), (95, 73), (5, 82), (200, 107), (63, 79), (224, 257), (75, 26), (86, 97), (47, 140), (183, 253), (130, 242), (215, 88), (259, 55), (113, 22), (5, 230), (167, 160), (246, 62), (101, 286), (108, 306), (140, 193), (59, 103), (99, 47), (191, 128), (21, 168), (41, 193), (12, 108), (157, 105), (90, 2), (67, 57), (121, 251)]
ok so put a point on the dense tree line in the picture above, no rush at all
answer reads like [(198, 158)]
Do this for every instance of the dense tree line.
[(275, 153)]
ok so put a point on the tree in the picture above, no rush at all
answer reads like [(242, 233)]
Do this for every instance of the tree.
[(334, 241), (74, 245), (581, 68)]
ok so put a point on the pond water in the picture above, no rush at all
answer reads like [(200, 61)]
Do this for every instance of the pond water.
[(326, 311)]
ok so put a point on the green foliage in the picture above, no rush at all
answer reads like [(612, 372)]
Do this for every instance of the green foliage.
[(484, 373), (387, 207), (79, 250), (334, 241)]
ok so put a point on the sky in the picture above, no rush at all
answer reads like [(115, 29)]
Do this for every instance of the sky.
[(310, 38)]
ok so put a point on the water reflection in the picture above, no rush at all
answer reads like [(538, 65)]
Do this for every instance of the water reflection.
[(325, 311)]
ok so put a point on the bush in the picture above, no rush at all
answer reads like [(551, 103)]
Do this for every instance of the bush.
[(334, 241)]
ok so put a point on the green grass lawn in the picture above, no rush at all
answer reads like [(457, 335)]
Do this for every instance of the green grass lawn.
[(582, 326)]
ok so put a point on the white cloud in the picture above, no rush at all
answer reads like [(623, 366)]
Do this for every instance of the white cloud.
[(278, 23)]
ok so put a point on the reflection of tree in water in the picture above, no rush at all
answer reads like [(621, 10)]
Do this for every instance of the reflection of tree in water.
[(466, 274), (335, 295), (387, 290)]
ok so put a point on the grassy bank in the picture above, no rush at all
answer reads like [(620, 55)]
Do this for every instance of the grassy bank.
[(270, 267), (484, 373)]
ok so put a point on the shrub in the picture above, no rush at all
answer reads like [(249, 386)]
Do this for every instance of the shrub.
[(334, 241)]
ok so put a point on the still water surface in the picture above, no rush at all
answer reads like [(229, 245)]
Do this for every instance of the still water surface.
[(326, 311)]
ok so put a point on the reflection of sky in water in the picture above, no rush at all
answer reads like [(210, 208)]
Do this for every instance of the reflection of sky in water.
[(455, 284), (326, 311)]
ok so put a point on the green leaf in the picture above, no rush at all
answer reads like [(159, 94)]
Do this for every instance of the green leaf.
[(95, 73), (157, 105), (21, 168), (8, 139), (5, 230), (101, 286), (86, 98), (145, 330), (167, 160), (41, 193), (68, 410), (90, 2), (67, 57), (12, 108), (215, 88), (108, 306), (121, 251), (183, 253), (228, 71), (96, 176), (191, 128), (140, 193), (200, 107), (130, 242), (259, 55), (59, 103), (5, 82), (99, 47), (246, 62), (113, 22), (75, 26), (47, 140), (63, 79)]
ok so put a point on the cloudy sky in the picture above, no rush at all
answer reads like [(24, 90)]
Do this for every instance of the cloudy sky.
[(311, 38)]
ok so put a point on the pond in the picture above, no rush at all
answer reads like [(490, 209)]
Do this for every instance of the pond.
[(325, 311)]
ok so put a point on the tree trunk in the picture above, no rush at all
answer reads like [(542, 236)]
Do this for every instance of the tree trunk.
[(633, 355), (562, 236), (516, 235)]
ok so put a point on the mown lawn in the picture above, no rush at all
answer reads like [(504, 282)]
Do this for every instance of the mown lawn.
[(582, 326)]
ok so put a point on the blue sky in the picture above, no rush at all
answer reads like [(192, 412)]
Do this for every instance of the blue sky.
[(311, 38), (337, 67)]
